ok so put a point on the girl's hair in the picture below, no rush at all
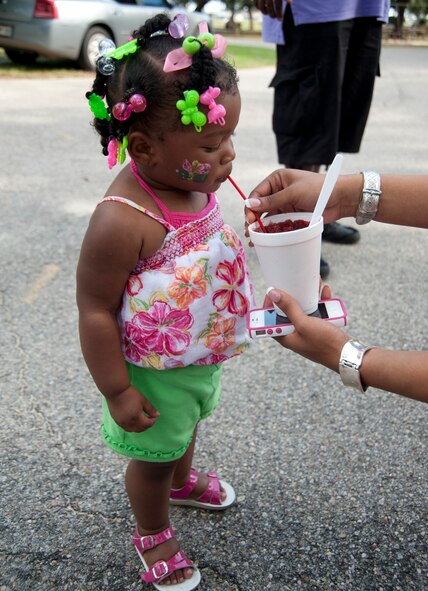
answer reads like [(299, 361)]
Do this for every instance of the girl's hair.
[(142, 73)]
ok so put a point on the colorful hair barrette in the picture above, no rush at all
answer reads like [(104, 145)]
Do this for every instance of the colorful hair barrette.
[(130, 47), (109, 52), (121, 149), (178, 26), (135, 104), (105, 65), (181, 58), (106, 46), (189, 110), (116, 151), (97, 106), (216, 112)]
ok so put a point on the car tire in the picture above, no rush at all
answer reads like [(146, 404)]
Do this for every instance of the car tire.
[(89, 50), (21, 58)]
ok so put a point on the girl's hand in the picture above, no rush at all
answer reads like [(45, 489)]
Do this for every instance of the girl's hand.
[(312, 338), (132, 411)]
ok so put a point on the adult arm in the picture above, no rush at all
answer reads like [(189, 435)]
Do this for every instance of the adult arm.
[(273, 8), (400, 372), (404, 199)]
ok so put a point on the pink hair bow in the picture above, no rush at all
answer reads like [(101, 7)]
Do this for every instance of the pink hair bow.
[(216, 112), (179, 59)]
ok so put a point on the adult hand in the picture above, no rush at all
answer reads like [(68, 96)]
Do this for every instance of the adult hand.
[(272, 8), (287, 190), (132, 411), (313, 338)]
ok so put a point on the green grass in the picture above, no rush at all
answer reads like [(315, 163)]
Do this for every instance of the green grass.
[(251, 57), (241, 56)]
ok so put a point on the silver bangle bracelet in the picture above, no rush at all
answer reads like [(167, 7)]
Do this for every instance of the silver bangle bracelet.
[(350, 362), (369, 202)]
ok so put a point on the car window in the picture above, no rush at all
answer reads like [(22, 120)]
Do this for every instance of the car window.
[(126, 2), (157, 3)]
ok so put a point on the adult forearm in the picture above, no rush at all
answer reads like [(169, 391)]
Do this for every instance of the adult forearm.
[(401, 372), (404, 199)]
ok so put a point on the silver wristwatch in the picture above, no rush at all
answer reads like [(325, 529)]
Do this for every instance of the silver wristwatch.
[(350, 362), (369, 202)]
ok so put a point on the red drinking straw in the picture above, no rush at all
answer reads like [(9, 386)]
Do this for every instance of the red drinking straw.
[(258, 218)]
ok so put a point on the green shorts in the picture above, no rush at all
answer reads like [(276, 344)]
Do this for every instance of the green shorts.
[(182, 395)]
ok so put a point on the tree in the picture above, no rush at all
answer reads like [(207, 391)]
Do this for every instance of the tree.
[(233, 5), (399, 25), (419, 8), (199, 4)]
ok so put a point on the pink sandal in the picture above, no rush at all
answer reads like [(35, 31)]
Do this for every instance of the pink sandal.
[(161, 569), (209, 499)]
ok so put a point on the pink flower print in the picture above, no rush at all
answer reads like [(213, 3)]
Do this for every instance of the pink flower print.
[(229, 297), (168, 267), (211, 359), (133, 344), (173, 363), (163, 330), (134, 285), (189, 285), (187, 166), (200, 171), (203, 168), (221, 335)]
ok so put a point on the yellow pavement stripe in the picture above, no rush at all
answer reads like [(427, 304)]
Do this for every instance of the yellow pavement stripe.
[(46, 276)]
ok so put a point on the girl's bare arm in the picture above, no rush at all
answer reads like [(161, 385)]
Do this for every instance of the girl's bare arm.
[(109, 252)]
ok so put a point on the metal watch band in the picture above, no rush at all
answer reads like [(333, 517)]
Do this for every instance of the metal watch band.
[(351, 358), (369, 202)]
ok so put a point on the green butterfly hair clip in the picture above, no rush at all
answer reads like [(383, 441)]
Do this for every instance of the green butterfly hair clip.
[(97, 106)]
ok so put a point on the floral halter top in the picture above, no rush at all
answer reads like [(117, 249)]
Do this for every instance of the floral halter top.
[(186, 304)]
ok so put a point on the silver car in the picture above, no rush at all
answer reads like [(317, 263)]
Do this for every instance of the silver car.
[(72, 29)]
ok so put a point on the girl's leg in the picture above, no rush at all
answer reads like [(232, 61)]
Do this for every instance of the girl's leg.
[(182, 472), (148, 485), (182, 466)]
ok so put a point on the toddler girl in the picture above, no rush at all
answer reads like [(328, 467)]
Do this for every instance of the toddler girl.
[(162, 282)]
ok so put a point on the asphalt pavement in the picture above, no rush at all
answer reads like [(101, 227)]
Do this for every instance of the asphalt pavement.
[(331, 484)]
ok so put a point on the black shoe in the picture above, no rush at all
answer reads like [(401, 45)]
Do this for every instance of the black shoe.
[(335, 232), (324, 269)]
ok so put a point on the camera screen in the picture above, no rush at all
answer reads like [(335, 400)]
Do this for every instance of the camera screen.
[(322, 311), (271, 318)]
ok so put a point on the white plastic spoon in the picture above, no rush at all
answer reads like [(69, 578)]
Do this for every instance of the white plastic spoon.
[(327, 188)]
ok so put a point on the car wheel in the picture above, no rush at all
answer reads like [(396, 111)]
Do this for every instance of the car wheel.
[(22, 58), (89, 51)]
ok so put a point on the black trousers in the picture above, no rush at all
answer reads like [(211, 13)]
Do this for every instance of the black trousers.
[(323, 88)]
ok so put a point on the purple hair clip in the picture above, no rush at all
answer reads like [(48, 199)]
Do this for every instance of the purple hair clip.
[(135, 104), (216, 112), (178, 26)]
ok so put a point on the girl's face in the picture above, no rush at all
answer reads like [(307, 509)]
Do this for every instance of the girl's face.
[(193, 161)]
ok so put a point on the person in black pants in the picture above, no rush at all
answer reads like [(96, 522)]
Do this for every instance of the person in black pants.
[(323, 89)]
